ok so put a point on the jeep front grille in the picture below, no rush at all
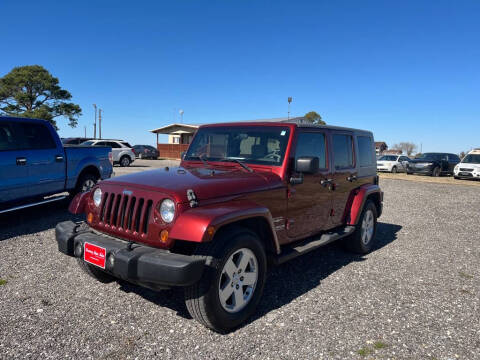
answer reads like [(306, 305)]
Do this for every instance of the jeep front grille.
[(126, 212)]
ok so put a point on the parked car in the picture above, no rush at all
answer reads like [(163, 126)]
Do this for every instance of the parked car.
[(393, 163), (123, 152), (74, 140), (35, 167), (145, 152), (434, 164), (244, 195), (469, 166)]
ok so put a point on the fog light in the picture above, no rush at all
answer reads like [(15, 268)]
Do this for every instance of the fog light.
[(164, 236), (90, 217), (111, 261), (78, 250)]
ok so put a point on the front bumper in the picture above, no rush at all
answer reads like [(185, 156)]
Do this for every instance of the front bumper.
[(416, 170), (144, 265)]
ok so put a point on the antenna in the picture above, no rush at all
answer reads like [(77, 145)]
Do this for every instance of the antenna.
[(100, 123), (181, 115), (95, 123)]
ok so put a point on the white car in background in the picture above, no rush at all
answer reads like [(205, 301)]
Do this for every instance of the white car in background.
[(392, 163), (122, 151), (469, 167)]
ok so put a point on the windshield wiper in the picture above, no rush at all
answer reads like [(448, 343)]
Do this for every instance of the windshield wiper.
[(242, 164)]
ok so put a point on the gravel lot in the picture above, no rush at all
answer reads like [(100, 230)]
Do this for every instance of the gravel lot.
[(415, 297)]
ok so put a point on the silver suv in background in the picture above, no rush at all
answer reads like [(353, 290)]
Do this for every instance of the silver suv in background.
[(122, 151)]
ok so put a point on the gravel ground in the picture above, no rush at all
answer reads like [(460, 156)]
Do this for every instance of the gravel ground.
[(415, 297)]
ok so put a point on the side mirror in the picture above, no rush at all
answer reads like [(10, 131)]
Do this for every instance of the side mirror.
[(307, 165)]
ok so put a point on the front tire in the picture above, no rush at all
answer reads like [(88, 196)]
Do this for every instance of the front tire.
[(436, 171), (232, 283), (394, 170), (363, 239)]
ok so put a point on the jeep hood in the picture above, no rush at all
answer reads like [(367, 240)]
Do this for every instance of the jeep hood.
[(206, 183)]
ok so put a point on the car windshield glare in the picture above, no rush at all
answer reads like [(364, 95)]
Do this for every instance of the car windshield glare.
[(472, 159), (388, 158), (264, 145)]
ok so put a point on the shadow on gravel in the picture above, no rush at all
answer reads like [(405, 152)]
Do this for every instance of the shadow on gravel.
[(34, 219), (284, 283)]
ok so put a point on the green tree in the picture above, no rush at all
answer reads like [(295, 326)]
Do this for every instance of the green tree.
[(31, 91), (314, 118)]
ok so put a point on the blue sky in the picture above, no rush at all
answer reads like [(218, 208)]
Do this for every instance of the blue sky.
[(407, 70)]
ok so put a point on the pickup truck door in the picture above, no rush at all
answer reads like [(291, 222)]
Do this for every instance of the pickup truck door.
[(310, 203), (46, 160), (14, 181), (345, 178)]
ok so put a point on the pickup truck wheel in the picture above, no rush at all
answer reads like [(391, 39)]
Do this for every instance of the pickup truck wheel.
[(232, 283), (95, 272), (86, 182), (363, 239), (125, 161)]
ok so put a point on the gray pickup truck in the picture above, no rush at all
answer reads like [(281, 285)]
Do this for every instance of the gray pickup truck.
[(36, 168)]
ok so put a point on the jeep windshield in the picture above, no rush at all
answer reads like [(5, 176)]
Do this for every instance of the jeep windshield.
[(471, 159), (264, 145)]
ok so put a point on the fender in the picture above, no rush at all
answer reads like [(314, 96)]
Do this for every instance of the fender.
[(357, 201), (77, 205), (74, 172), (193, 223)]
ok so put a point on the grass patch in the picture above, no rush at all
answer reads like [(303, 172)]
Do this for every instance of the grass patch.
[(465, 275), (379, 345), (3, 282), (364, 351)]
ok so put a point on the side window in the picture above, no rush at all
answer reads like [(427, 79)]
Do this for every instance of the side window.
[(113, 145), (365, 150), (312, 144), (9, 140), (343, 151), (37, 136)]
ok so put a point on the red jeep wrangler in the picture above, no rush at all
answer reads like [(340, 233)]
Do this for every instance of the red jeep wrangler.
[(245, 194)]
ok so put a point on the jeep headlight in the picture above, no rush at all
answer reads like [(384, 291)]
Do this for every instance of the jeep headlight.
[(97, 197), (167, 210)]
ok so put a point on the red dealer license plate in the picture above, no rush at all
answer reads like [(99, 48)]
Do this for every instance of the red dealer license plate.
[(94, 254)]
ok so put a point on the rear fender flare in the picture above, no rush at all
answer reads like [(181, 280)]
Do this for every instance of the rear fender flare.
[(357, 200), (193, 223)]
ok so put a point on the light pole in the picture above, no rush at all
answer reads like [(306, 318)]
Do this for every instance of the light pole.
[(95, 123), (289, 102), (100, 123), (181, 116)]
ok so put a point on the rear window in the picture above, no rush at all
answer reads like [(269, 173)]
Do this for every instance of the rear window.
[(343, 151), (126, 144), (88, 143), (365, 150)]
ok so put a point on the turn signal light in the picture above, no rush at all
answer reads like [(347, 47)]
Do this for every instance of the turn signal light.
[(164, 236), (210, 230), (90, 217)]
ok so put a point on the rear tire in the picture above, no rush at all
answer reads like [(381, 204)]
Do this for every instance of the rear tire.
[(95, 272), (125, 161), (86, 182), (363, 239), (223, 298)]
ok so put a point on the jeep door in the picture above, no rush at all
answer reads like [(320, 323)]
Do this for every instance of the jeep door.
[(345, 173), (309, 203)]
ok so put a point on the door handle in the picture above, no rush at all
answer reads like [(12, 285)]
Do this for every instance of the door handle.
[(352, 178), (58, 158), (329, 183), (21, 161)]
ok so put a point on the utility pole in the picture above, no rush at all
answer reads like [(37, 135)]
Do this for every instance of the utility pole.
[(100, 123), (181, 116), (289, 102), (85, 131), (95, 123)]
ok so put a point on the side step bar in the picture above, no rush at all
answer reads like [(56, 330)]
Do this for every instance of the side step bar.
[(45, 201), (305, 246)]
